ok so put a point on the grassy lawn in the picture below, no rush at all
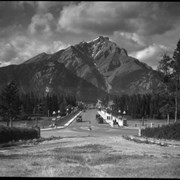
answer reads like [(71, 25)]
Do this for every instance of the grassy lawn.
[(43, 122), (89, 160)]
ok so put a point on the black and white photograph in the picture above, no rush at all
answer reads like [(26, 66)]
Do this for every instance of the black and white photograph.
[(90, 89)]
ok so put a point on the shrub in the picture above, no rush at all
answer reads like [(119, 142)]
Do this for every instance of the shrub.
[(22, 117), (16, 133), (171, 131)]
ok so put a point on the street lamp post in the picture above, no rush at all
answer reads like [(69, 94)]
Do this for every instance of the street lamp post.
[(119, 112), (124, 121), (53, 118), (124, 112), (58, 115)]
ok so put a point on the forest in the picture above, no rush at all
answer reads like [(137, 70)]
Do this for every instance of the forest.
[(15, 105)]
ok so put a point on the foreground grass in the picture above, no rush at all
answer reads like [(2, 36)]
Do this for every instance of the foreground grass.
[(90, 160)]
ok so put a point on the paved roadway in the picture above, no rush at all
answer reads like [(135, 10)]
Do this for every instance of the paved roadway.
[(89, 120)]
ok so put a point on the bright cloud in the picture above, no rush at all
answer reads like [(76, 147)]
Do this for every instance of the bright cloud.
[(22, 48), (96, 16), (151, 55), (144, 18), (42, 23)]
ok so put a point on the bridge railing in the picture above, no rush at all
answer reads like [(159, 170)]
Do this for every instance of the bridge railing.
[(110, 118)]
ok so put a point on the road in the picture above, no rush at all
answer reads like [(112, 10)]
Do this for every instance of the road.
[(89, 120), (79, 152)]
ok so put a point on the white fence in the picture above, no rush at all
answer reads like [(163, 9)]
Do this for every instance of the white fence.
[(110, 118)]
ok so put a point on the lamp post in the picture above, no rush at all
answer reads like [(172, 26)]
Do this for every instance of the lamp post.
[(119, 111), (124, 120), (58, 116), (119, 114), (124, 112), (53, 118)]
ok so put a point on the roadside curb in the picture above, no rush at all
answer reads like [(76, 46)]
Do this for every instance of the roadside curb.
[(161, 142), (62, 127)]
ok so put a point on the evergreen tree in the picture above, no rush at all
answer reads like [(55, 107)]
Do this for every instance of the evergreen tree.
[(176, 74), (165, 67), (166, 105), (10, 103), (166, 90)]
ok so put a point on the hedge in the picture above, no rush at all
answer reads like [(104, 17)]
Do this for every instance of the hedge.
[(171, 131), (8, 134)]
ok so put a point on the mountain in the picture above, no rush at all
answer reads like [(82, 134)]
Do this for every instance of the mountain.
[(108, 67), (123, 74), (88, 70), (47, 77)]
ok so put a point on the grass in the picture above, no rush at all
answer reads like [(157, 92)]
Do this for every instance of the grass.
[(90, 148), (44, 122), (90, 160)]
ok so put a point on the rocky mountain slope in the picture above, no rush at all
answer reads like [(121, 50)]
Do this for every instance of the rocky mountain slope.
[(49, 77), (89, 70)]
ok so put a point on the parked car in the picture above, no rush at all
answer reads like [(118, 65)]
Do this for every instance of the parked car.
[(98, 116), (79, 119), (100, 120)]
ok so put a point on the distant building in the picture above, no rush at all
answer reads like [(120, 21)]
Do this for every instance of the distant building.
[(99, 103), (110, 104)]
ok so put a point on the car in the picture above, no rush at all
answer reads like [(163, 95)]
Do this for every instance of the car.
[(79, 119), (97, 116), (100, 120)]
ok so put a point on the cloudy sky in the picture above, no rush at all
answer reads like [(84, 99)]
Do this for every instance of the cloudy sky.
[(146, 29)]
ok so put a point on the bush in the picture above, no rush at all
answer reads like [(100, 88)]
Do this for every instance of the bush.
[(16, 133), (21, 117), (171, 131)]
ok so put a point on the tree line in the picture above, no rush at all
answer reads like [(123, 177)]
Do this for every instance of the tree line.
[(14, 105), (143, 105)]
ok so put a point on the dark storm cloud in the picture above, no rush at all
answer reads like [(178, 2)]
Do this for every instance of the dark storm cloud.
[(21, 12), (15, 13)]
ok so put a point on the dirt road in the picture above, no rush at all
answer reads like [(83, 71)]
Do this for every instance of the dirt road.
[(101, 152)]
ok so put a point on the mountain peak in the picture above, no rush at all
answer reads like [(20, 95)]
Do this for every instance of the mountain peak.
[(99, 39), (103, 38)]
